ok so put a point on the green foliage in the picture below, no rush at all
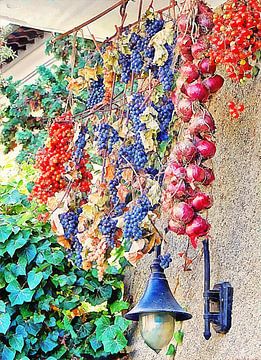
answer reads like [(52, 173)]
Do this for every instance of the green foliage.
[(28, 108), (48, 308)]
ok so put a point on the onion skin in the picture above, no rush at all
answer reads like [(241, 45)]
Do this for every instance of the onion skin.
[(177, 227), (183, 212), (197, 91), (189, 72), (184, 107), (179, 190), (201, 124), (202, 201), (206, 67), (195, 173), (209, 176), (214, 83), (183, 23), (185, 151), (198, 49), (196, 228), (205, 21), (206, 148)]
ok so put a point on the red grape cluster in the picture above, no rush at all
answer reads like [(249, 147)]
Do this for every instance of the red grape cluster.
[(51, 159), (188, 169), (56, 158), (236, 37)]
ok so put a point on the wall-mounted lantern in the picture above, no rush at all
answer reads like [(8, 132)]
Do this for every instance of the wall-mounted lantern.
[(158, 310), (218, 302)]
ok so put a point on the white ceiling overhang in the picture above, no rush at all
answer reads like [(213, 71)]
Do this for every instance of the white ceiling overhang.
[(63, 15)]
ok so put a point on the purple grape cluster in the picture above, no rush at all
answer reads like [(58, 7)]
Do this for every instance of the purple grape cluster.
[(134, 217), (165, 110), (107, 227), (125, 63), (165, 72), (106, 137), (96, 93), (152, 26), (69, 222), (165, 260), (80, 145)]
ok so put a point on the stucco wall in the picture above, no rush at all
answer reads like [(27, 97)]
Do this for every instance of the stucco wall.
[(235, 249)]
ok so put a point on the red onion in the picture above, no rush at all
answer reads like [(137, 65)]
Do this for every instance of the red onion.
[(214, 83), (184, 42), (201, 123), (171, 168), (203, 8), (185, 151), (186, 55), (195, 173), (189, 72), (184, 107), (209, 176), (207, 67), (206, 148), (183, 212), (198, 49), (174, 97), (179, 190), (196, 228), (205, 21), (197, 91), (176, 227), (202, 201), (183, 23)]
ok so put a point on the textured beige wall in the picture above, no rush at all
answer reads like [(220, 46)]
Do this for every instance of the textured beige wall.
[(235, 247)]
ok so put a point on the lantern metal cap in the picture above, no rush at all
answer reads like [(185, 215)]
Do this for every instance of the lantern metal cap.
[(158, 297)]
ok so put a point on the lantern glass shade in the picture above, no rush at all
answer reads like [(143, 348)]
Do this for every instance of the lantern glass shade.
[(157, 329)]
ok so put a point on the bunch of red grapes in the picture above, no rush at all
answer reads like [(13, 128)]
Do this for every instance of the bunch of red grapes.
[(55, 160), (236, 37)]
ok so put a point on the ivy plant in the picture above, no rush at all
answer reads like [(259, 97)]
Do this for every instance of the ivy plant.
[(50, 309)]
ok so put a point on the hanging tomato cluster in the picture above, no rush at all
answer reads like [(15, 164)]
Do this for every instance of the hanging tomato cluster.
[(236, 37), (188, 169)]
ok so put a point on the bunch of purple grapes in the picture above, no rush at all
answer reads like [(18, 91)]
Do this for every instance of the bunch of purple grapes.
[(134, 217), (96, 93)]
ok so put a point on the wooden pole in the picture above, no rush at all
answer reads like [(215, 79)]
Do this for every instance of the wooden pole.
[(96, 17)]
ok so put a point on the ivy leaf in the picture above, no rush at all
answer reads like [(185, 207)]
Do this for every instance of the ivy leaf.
[(8, 354), (38, 318), (20, 330), (101, 325), (17, 295), (101, 294), (17, 342), (30, 252), (121, 323), (113, 340), (49, 343), (54, 258), (171, 350), (17, 241), (178, 336), (34, 278), (95, 343), (5, 232), (5, 321), (118, 306), (2, 306)]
